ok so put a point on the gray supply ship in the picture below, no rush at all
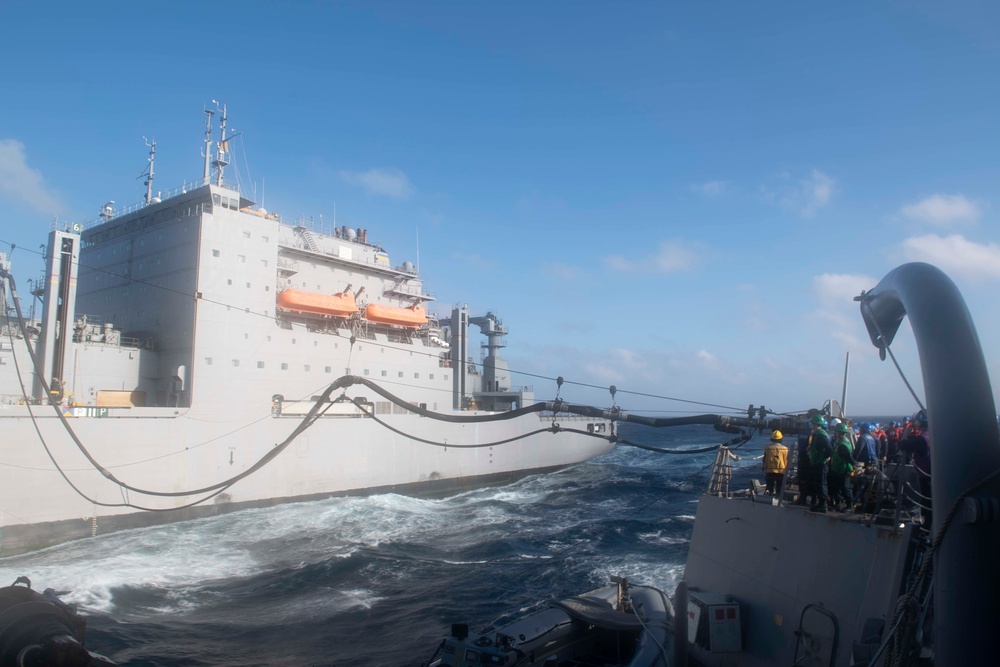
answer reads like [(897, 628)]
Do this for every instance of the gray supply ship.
[(185, 362)]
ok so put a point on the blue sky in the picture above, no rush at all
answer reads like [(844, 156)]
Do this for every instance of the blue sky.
[(675, 198)]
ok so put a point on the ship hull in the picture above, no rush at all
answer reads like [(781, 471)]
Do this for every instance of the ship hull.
[(189, 339), (177, 451)]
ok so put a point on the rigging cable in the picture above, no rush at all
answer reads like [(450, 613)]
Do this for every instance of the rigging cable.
[(216, 302), (883, 346), (905, 603), (310, 418)]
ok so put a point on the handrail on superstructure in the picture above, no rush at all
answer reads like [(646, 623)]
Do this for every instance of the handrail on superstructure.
[(965, 446), (186, 187)]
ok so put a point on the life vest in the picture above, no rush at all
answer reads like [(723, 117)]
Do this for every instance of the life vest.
[(838, 464), (775, 458), (819, 447)]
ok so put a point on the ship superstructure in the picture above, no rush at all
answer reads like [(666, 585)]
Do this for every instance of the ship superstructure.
[(184, 338)]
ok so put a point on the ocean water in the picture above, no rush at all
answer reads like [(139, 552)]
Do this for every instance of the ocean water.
[(379, 580)]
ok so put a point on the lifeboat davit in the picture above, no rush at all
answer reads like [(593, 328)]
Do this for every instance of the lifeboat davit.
[(412, 317), (338, 305)]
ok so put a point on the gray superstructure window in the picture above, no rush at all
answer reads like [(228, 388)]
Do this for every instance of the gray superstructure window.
[(215, 253), (284, 366), (260, 364), (236, 363), (208, 361)]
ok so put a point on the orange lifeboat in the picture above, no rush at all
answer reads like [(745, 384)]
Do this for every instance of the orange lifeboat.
[(412, 317), (339, 305)]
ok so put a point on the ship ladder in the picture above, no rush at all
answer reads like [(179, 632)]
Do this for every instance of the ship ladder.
[(722, 472)]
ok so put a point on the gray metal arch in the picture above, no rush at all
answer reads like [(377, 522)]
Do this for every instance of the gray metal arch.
[(965, 448)]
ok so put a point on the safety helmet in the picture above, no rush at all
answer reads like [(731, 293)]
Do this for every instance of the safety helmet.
[(864, 427), (776, 436), (834, 423), (842, 428), (920, 419), (894, 423), (818, 420)]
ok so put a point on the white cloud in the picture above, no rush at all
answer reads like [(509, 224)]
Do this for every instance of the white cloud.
[(837, 314), (943, 210), (707, 359), (711, 188), (832, 288), (807, 197), (955, 254), (385, 182), (622, 365), (21, 182), (672, 256)]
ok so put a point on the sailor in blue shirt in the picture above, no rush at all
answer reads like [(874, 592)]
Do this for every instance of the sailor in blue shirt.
[(867, 446)]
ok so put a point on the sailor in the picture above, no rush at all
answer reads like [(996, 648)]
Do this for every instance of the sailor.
[(841, 467), (775, 462), (916, 441), (819, 455), (893, 435), (867, 446), (881, 439)]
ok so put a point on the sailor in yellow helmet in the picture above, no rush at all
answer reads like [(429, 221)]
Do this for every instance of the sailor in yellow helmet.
[(775, 462)]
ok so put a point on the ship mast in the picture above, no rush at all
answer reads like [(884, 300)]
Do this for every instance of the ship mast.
[(222, 155), (149, 173), (208, 145)]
